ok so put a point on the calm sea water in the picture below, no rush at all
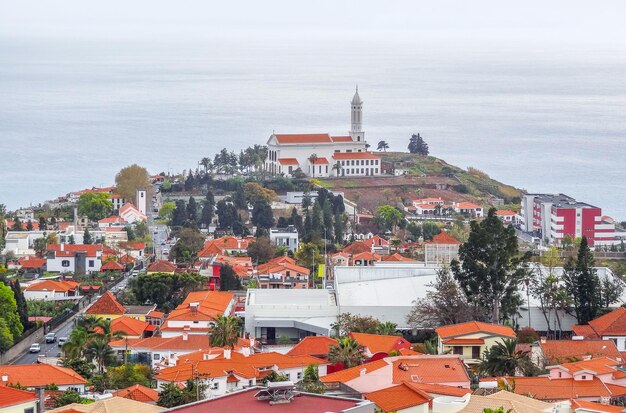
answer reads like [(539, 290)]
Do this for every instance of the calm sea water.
[(544, 118)]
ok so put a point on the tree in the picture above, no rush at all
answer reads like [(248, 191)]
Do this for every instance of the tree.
[(74, 347), (208, 207), (206, 164), (40, 246), (43, 225), (20, 301), (418, 145), (388, 216), (503, 359), (348, 323), (262, 215), (130, 179), (95, 205), (190, 242), (171, 396), (192, 210), (226, 214), (167, 291), (166, 211), (489, 271), (444, 304), (253, 192), (128, 375), (308, 256), (583, 284), (382, 146), (67, 397), (87, 237), (429, 230), (387, 328), (313, 159), (6, 337), (225, 332), (179, 215), (229, 281), (261, 250), (9, 312), (98, 350), (347, 351)]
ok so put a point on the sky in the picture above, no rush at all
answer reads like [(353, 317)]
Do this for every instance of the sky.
[(544, 21)]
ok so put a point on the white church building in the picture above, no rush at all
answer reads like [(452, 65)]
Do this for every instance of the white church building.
[(322, 155)]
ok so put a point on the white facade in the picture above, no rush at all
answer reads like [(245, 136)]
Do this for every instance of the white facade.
[(285, 237), (142, 201), (323, 155)]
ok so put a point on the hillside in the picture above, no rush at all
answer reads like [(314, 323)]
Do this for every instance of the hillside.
[(426, 176)]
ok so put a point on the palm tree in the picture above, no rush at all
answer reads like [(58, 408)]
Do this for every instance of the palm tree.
[(395, 243), (338, 168), (206, 164), (103, 328), (430, 347), (383, 146), (387, 329), (98, 350), (312, 159), (503, 359), (89, 322), (74, 347), (225, 333), (347, 351)]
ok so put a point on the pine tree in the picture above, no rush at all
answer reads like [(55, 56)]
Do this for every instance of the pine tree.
[(43, 226), (192, 210), (87, 237), (583, 284), (29, 226), (20, 300), (418, 145), (179, 216)]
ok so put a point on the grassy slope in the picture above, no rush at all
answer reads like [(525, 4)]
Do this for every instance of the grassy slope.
[(472, 185)]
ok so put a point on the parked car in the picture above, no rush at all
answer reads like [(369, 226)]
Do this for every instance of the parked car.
[(62, 341), (34, 348), (51, 337)]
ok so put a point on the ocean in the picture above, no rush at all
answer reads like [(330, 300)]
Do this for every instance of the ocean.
[(543, 117)]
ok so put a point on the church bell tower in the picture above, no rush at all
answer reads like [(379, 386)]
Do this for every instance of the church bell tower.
[(356, 118)]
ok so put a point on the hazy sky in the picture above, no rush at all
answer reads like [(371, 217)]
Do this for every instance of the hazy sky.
[(553, 20)]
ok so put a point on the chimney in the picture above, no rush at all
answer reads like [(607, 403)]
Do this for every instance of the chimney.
[(75, 219), (227, 353), (41, 396), (543, 339), (62, 247), (194, 307), (252, 342), (186, 330), (5, 378), (362, 372)]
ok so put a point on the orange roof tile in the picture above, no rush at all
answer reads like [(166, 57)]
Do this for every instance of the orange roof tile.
[(138, 393), (38, 375), (356, 247), (161, 266), (397, 257), (376, 241), (69, 250), (376, 343), (613, 323), (470, 327), (398, 397), (303, 138), (466, 205), (596, 407), (505, 212), (585, 331), (544, 388), (52, 285), (463, 341), (130, 326), (210, 305), (10, 396), (288, 161), (178, 343), (601, 365), (107, 304), (345, 138), (559, 351), (367, 256), (344, 376), (429, 369), (440, 389), (319, 161), (444, 238), (31, 262), (313, 346), (112, 266)]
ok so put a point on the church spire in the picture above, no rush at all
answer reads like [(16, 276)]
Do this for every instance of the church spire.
[(356, 100), (356, 117)]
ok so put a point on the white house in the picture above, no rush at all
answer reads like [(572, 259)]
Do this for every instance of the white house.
[(285, 237), (51, 290), (468, 208), (131, 214), (323, 155), (75, 258)]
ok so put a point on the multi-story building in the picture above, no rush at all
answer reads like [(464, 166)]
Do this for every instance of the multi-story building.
[(75, 258), (285, 237), (323, 155)]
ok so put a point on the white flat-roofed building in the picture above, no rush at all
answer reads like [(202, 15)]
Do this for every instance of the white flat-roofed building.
[(285, 237), (293, 313)]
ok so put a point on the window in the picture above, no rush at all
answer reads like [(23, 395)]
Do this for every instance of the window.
[(299, 376), (326, 168), (29, 410), (65, 263), (476, 352), (156, 356), (458, 350), (250, 382), (215, 386), (91, 263)]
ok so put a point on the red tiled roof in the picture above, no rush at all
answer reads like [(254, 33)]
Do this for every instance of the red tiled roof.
[(303, 138), (107, 304), (367, 256), (463, 341), (31, 262), (377, 343), (596, 407), (138, 393), (344, 376), (504, 212), (178, 343), (161, 266), (68, 250), (39, 375), (440, 389), (601, 365), (112, 266), (376, 241), (429, 369), (613, 323), (544, 388), (10, 396), (345, 138), (288, 161), (397, 257), (398, 397), (559, 351), (444, 238), (354, 155), (356, 247), (112, 220), (210, 305), (130, 326), (52, 285), (319, 161), (474, 327), (466, 205), (313, 346), (585, 330)]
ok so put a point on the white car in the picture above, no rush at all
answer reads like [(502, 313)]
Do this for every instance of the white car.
[(34, 348)]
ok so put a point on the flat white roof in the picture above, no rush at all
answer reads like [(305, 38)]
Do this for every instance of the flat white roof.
[(289, 297)]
